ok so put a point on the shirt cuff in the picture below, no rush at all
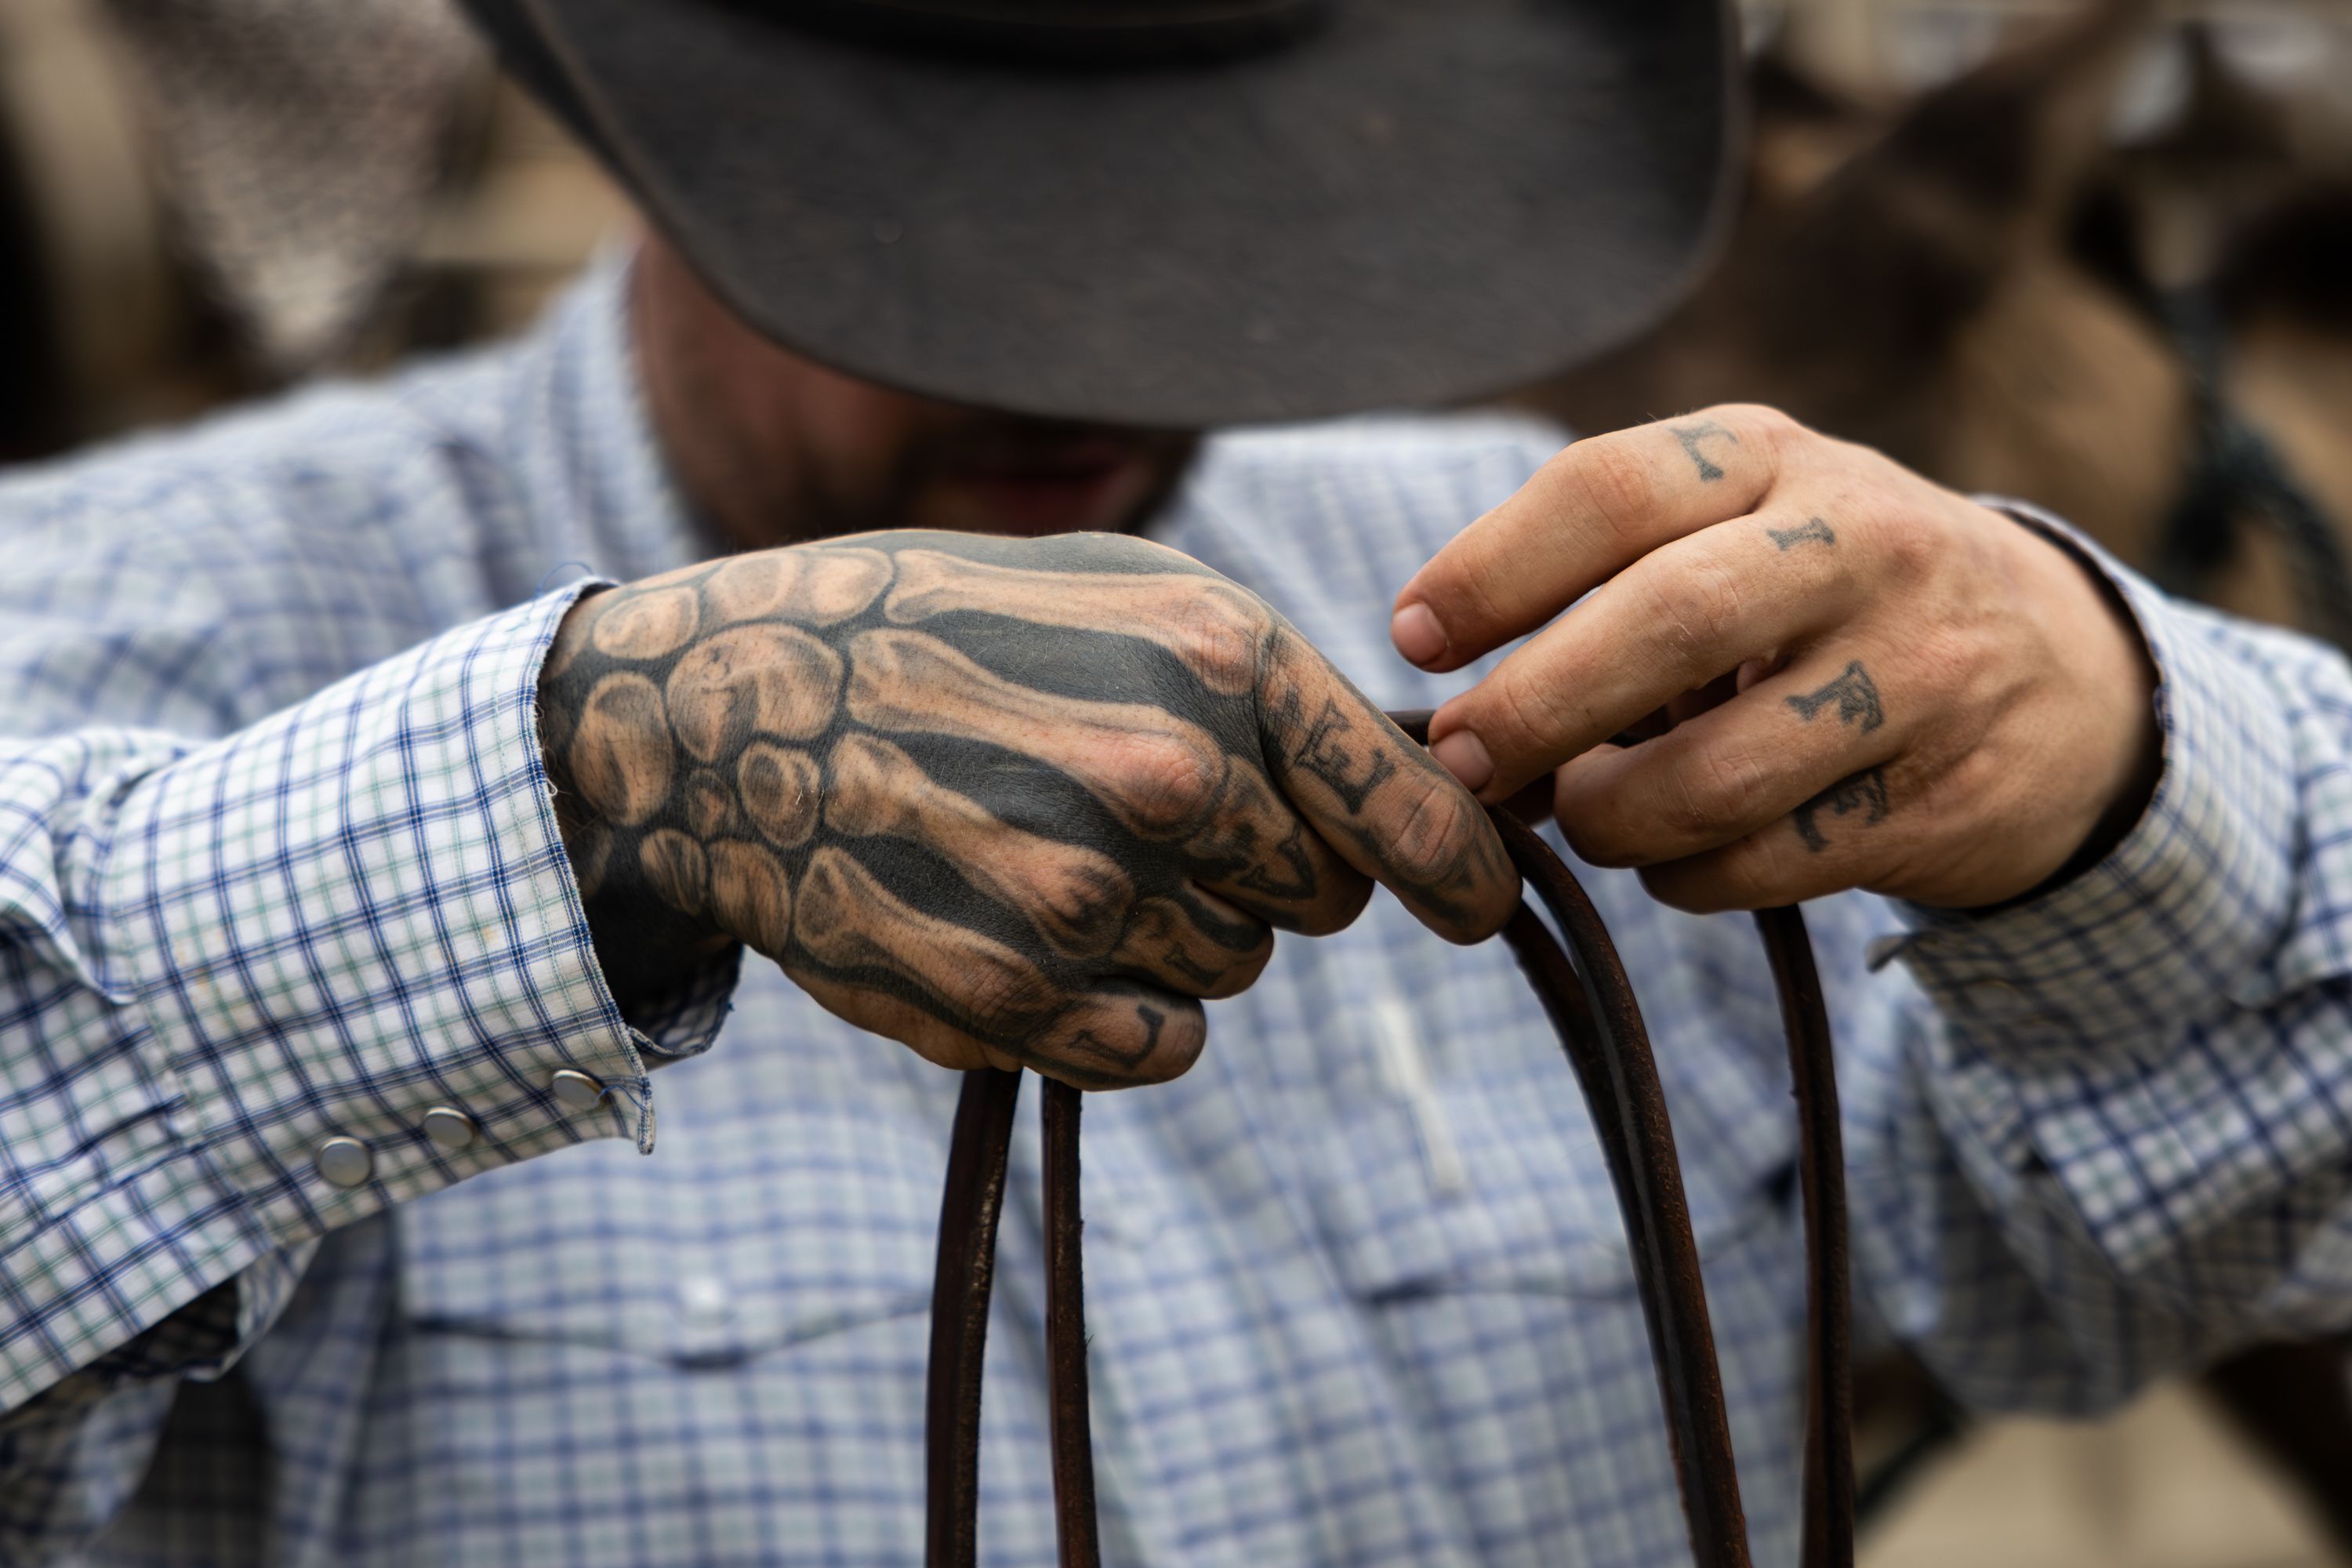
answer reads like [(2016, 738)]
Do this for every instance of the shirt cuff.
[(360, 911), (2178, 920), (2079, 1045)]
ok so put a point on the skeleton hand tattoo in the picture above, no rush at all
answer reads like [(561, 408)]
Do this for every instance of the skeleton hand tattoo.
[(1007, 801)]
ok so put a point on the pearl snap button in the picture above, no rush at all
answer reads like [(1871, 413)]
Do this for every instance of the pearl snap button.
[(345, 1162), (576, 1090), (449, 1128)]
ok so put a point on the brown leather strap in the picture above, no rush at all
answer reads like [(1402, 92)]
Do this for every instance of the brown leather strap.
[(1829, 1301), (978, 1152), (1590, 1004), (959, 1290), (1065, 1333)]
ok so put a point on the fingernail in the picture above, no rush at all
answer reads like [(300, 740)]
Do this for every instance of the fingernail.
[(1464, 756), (1417, 635)]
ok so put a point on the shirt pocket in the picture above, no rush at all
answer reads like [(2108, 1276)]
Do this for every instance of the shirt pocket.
[(1497, 1182), (747, 1233), (1499, 1312)]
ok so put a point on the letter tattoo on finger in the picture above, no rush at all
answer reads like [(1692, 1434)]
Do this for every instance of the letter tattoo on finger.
[(1690, 436), (1324, 751), (1790, 538), (1865, 793), (1856, 697)]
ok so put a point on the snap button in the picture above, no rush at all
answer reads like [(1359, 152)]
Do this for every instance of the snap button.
[(703, 1297), (450, 1128), (345, 1162), (576, 1090)]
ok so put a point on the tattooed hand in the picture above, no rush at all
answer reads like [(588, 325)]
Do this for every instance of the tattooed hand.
[(1007, 801), (1848, 677)]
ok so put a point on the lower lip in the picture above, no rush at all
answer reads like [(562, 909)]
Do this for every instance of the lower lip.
[(1053, 503)]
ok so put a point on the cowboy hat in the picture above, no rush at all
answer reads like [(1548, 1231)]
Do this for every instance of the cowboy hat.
[(1163, 211)]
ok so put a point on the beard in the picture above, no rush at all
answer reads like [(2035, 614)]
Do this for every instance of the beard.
[(992, 474)]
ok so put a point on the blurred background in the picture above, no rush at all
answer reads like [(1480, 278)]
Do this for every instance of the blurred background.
[(2095, 255)]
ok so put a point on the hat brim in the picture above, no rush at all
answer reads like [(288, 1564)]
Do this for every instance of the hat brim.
[(1423, 201)]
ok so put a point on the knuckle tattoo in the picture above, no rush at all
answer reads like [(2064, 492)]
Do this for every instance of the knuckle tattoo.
[(1814, 530), (1330, 750), (1169, 941), (956, 786), (1119, 1041), (1698, 436), (1851, 697), (1862, 798)]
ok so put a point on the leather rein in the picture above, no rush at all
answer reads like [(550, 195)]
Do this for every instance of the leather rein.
[(1585, 992)]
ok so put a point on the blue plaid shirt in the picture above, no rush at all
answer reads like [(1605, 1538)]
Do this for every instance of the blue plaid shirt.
[(277, 865)]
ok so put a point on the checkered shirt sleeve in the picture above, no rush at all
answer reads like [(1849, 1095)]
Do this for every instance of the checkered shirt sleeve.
[(213, 957), (2144, 1074)]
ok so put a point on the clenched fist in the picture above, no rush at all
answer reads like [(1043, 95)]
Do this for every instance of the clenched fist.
[(1852, 677), (1008, 801)]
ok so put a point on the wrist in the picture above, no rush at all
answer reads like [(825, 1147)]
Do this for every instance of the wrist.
[(2108, 664), (644, 944)]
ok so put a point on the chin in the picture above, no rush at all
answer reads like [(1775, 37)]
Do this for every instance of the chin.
[(1117, 497)]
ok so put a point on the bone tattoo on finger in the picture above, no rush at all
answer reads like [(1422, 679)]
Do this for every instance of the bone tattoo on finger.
[(930, 768)]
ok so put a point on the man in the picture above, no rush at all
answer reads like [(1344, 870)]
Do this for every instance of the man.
[(358, 884)]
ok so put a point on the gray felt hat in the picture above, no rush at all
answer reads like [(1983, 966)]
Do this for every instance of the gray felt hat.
[(1163, 212)]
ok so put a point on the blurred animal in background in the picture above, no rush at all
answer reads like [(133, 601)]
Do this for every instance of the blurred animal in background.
[(1982, 284), (203, 200), (2153, 340)]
